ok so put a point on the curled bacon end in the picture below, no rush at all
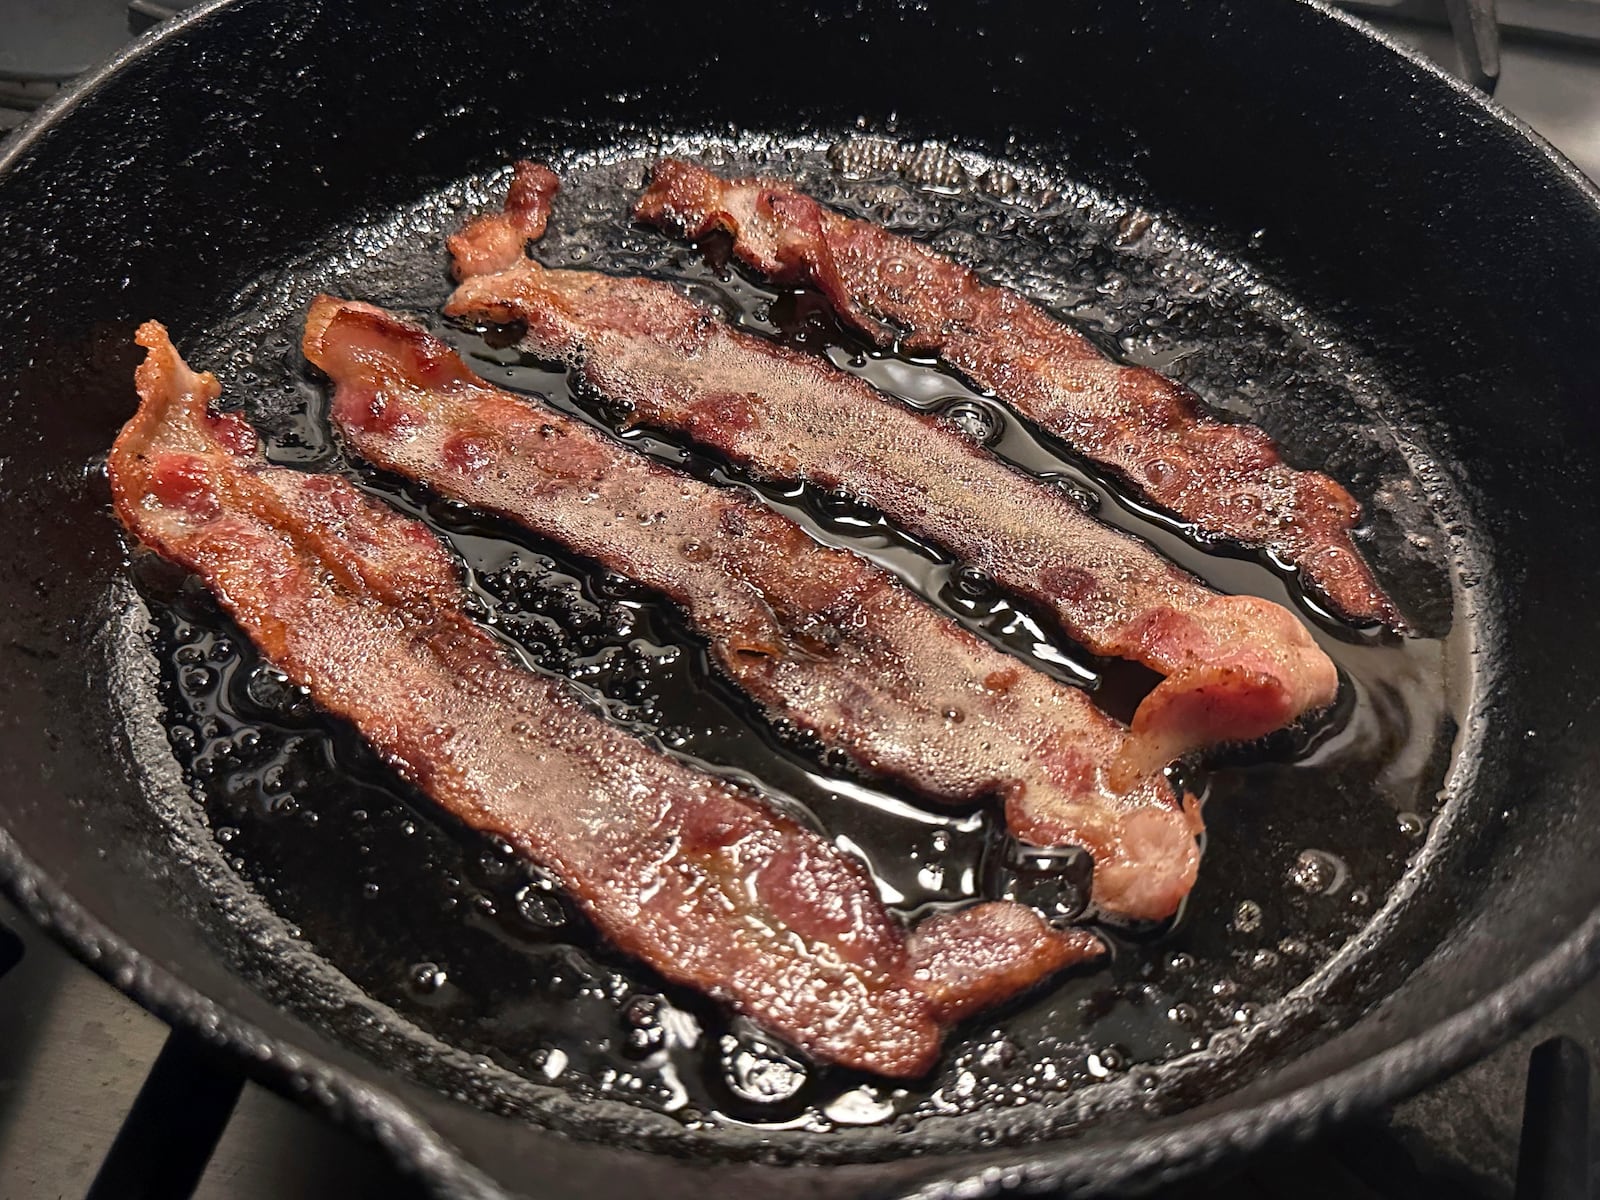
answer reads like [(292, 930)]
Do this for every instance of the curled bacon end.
[(493, 241), (1224, 477), (1239, 668)]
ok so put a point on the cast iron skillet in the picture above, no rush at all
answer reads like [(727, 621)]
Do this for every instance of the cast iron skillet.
[(1439, 234)]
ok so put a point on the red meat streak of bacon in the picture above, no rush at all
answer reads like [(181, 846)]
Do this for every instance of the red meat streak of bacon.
[(813, 634), (1237, 667), (687, 873), (1224, 478)]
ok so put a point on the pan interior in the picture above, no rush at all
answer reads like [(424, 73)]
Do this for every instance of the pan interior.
[(433, 950)]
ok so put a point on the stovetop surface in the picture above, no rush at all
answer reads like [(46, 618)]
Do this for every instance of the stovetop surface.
[(74, 1052)]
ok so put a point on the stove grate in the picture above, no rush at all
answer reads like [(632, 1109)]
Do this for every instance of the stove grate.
[(169, 1134)]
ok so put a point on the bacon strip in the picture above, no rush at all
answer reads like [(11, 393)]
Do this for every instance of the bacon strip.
[(813, 634), (682, 870), (494, 241), (1222, 477), (1237, 667)]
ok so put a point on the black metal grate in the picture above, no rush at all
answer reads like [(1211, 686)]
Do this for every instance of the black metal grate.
[(94, 1102), (163, 1146), (1368, 1161), (10, 950), (169, 1135)]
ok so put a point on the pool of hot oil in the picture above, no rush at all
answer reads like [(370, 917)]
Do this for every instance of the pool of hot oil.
[(1306, 836)]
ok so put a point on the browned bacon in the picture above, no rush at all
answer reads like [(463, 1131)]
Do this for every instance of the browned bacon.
[(494, 241), (1225, 478), (686, 872), (813, 634), (1237, 667)]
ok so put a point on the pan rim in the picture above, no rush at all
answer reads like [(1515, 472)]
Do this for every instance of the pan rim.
[(1178, 1143)]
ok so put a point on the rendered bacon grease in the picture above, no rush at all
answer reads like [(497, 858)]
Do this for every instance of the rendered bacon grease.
[(1224, 478), (816, 635), (691, 875), (1236, 667)]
